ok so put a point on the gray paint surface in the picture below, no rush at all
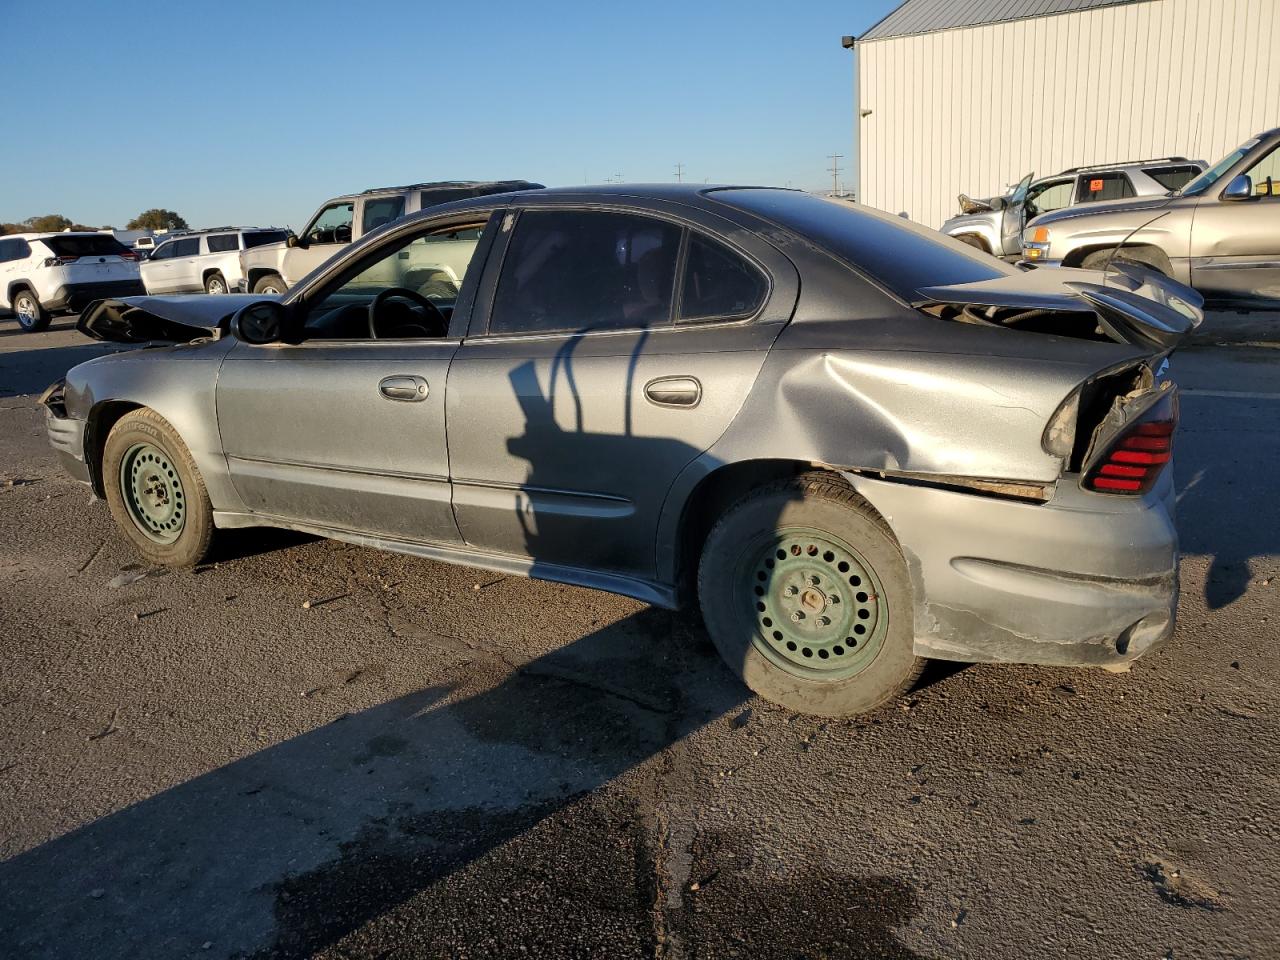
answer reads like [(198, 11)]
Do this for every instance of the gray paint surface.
[(925, 16)]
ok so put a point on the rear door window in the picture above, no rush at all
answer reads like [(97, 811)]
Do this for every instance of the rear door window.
[(577, 270), (1174, 176), (1112, 185), (379, 211), (719, 284), (222, 242)]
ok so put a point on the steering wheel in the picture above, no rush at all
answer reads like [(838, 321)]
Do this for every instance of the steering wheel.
[(432, 311)]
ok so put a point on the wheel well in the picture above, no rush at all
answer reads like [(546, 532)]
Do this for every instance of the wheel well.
[(204, 277), (102, 418), (1147, 253), (18, 286), (970, 237), (714, 494), (257, 273)]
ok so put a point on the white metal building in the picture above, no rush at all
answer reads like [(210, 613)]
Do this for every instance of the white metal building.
[(970, 95)]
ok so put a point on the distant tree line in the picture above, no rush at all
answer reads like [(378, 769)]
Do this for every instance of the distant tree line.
[(157, 218)]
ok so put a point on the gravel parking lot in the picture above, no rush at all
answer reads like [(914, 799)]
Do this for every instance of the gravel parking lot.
[(311, 749)]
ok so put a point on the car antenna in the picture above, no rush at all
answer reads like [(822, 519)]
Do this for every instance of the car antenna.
[(1106, 268)]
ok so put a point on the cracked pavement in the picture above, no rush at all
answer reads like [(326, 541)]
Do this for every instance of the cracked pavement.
[(305, 748)]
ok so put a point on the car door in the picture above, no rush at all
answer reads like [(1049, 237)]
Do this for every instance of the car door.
[(328, 232), (1235, 244), (342, 431), (616, 346), (158, 271), (1014, 217), (184, 265)]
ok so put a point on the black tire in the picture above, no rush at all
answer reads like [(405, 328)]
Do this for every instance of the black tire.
[(32, 317), (146, 430), (270, 283), (734, 606), (215, 283)]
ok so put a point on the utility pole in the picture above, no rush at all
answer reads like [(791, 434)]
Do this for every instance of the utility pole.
[(679, 173), (834, 170)]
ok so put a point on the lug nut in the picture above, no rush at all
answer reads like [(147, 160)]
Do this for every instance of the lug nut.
[(797, 616), (814, 580), (792, 591), (824, 621), (832, 598)]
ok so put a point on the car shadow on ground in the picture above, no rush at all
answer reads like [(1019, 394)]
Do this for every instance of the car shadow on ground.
[(292, 849)]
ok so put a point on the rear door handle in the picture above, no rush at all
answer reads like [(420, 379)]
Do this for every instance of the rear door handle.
[(409, 389), (674, 391)]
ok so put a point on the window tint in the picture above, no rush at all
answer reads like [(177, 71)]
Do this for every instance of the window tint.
[(381, 210), (901, 255), (222, 242), (580, 270), (333, 225), (1103, 186), (261, 237), (95, 245), (188, 247), (8, 250), (1265, 175), (719, 284), (163, 252), (1173, 177)]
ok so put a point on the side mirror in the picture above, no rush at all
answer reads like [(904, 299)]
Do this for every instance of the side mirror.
[(260, 323), (294, 241), (1240, 188)]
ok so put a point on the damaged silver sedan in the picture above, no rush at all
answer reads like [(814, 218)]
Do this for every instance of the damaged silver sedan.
[(851, 442)]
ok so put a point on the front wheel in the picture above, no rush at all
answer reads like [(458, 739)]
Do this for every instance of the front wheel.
[(32, 317), (155, 492), (806, 596), (272, 283), (215, 284)]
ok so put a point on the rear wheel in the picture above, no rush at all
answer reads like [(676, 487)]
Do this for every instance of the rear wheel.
[(32, 317), (806, 596), (271, 283), (215, 283), (155, 492)]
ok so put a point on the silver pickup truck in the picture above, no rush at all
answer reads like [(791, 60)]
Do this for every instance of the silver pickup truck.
[(995, 224), (274, 268)]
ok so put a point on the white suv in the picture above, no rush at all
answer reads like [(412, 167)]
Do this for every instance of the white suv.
[(208, 262), (45, 273)]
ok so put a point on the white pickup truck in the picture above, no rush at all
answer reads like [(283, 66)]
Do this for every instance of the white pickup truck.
[(275, 267)]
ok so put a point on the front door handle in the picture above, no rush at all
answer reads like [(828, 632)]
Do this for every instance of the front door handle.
[(674, 391), (409, 389)]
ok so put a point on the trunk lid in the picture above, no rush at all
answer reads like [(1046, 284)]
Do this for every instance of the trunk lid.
[(1128, 305)]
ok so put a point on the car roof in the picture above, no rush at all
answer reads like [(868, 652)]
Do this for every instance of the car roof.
[(693, 194), (57, 233)]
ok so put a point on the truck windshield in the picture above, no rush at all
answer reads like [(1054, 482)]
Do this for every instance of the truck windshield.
[(1211, 176)]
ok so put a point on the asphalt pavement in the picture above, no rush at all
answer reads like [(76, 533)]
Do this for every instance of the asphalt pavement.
[(304, 748)]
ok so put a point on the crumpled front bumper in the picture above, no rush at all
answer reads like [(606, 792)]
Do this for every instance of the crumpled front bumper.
[(1086, 579), (66, 433)]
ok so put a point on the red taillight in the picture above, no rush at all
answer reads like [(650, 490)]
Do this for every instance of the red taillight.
[(128, 255), (1135, 458), (59, 261)]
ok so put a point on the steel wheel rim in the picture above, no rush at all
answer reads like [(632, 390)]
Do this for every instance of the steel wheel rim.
[(152, 491), (215, 286), (813, 604)]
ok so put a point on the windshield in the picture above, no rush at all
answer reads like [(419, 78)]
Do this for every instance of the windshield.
[(902, 256), (1211, 176)]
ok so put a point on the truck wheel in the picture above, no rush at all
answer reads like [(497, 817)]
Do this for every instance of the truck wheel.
[(32, 317), (975, 241), (215, 284), (806, 596), (271, 283), (155, 492)]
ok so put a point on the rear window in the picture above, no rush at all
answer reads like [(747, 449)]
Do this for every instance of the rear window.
[(99, 245), (900, 255), (1173, 177), (264, 236), (1103, 186), (222, 242)]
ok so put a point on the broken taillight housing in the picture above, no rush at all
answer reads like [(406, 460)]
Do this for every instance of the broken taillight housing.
[(1132, 460)]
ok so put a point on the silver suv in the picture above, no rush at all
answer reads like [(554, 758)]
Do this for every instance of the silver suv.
[(206, 262), (1220, 233), (995, 224), (276, 267)]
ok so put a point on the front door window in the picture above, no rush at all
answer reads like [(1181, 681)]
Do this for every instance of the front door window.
[(333, 225)]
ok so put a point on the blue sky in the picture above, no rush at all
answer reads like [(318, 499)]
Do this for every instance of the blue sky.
[(256, 112)]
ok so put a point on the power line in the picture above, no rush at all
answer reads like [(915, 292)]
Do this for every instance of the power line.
[(834, 170), (679, 173)]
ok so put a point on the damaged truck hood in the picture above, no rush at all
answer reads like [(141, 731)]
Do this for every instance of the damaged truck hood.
[(1132, 306), (179, 319)]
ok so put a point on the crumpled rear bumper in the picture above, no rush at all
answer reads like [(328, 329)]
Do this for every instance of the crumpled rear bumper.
[(1085, 579)]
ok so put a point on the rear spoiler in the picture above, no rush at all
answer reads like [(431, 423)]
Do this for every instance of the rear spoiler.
[(1142, 308)]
